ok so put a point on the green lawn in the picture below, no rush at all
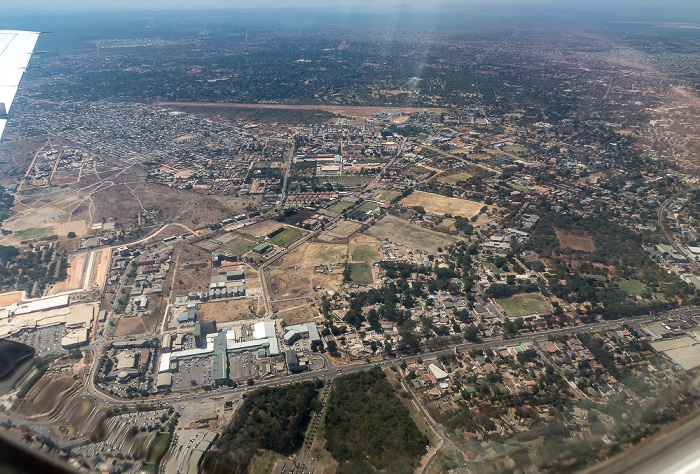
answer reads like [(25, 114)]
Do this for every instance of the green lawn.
[(361, 273), (632, 287), (368, 206), (522, 304), (365, 253), (340, 206), (238, 246), (287, 236), (34, 233)]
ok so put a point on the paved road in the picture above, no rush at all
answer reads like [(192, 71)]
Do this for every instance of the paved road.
[(328, 373)]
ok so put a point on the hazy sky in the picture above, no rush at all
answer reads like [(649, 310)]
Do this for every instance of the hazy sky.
[(341, 5)]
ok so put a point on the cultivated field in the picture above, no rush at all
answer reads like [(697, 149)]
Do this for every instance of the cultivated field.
[(411, 235), (522, 304), (344, 229), (575, 241), (442, 205)]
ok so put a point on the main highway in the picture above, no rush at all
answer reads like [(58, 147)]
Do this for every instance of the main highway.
[(327, 373)]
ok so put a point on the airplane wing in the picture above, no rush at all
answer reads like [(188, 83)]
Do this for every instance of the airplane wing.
[(15, 50)]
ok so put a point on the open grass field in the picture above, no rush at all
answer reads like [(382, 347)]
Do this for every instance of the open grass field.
[(517, 149), (386, 196), (323, 254), (522, 304), (287, 236), (368, 206), (575, 241), (364, 253), (34, 233), (344, 229), (410, 235), (454, 178), (442, 205), (361, 273), (238, 246), (632, 287), (340, 206)]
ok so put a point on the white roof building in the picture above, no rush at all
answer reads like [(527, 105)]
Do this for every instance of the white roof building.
[(437, 372)]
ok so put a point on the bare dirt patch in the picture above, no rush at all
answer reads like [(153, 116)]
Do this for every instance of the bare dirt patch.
[(130, 326), (10, 298), (100, 269), (284, 285), (47, 394), (295, 312), (192, 269), (225, 311), (575, 241), (76, 273), (442, 205)]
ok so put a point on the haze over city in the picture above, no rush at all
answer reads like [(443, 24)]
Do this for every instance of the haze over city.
[(390, 236)]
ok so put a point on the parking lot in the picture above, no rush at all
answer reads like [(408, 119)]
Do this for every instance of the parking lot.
[(43, 340), (242, 366), (193, 373)]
